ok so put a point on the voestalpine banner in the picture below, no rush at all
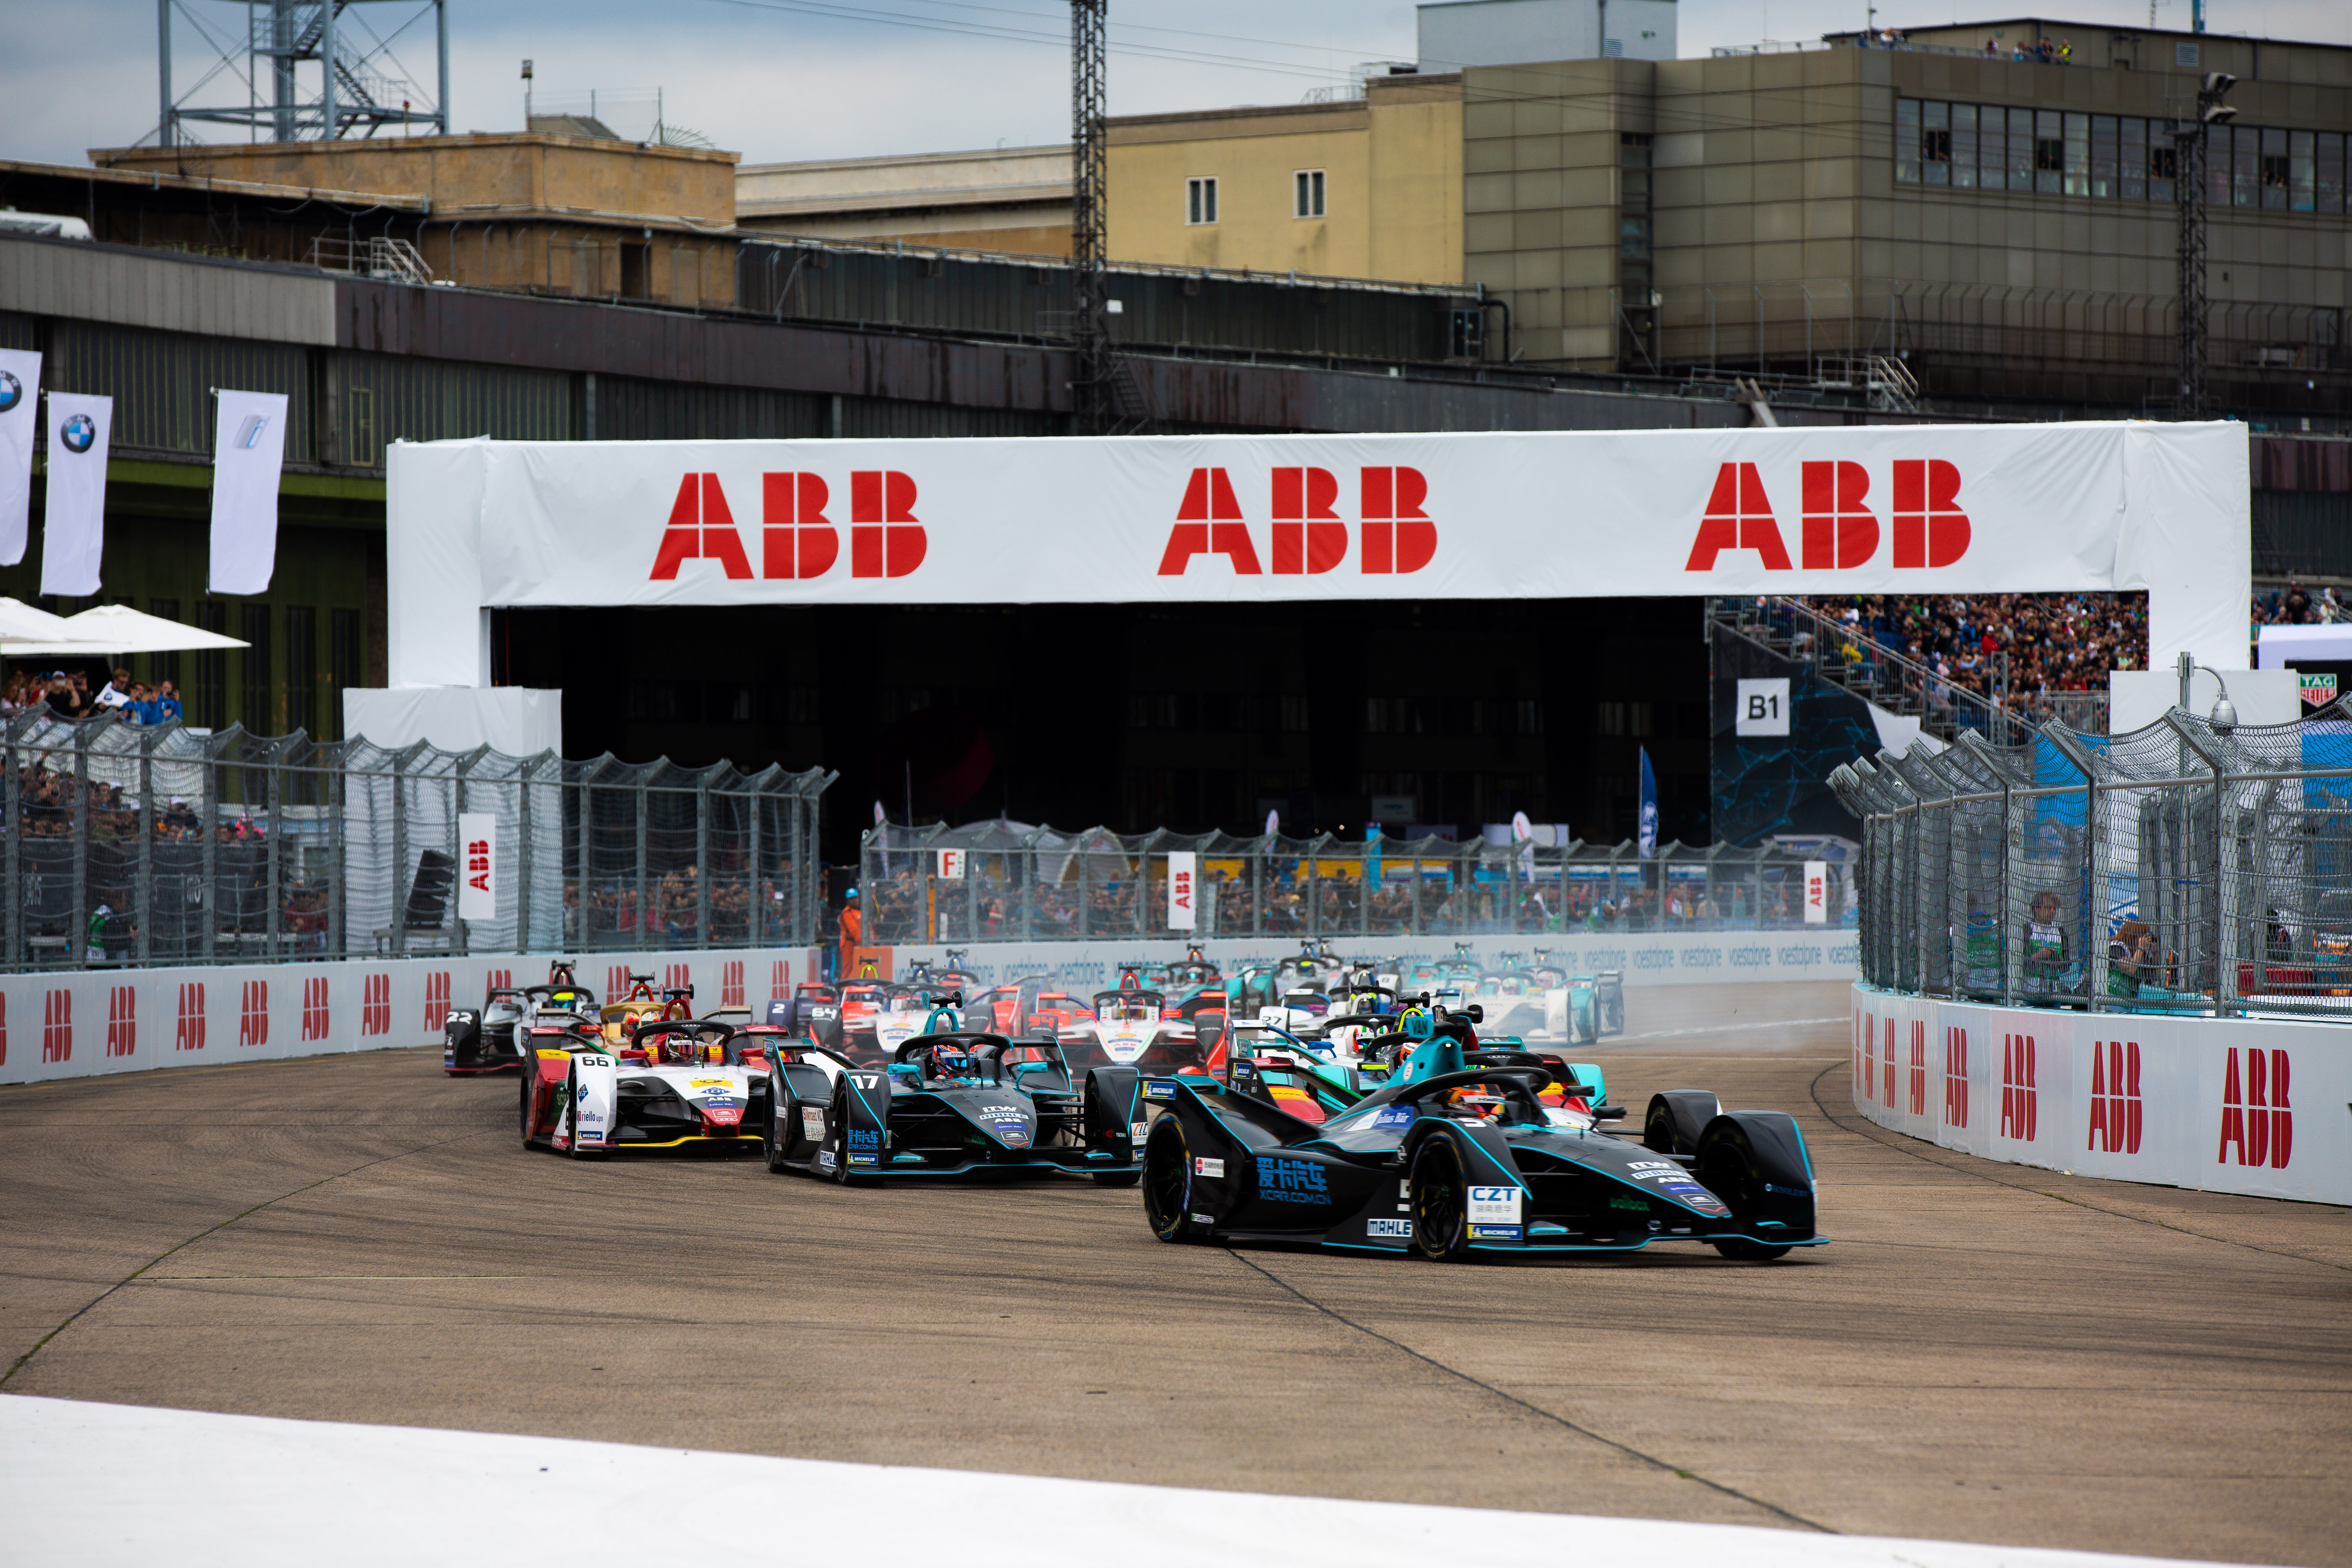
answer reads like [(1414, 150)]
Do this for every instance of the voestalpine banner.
[(1892, 509), (73, 520), (248, 451), (20, 408)]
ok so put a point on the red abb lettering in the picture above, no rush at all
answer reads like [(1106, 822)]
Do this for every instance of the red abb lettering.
[(2020, 1113), (4, 1028), (1398, 535), (1309, 537), (56, 1028), (253, 1017), (1208, 522), (1918, 1066), (1738, 517), (700, 528), (2258, 1122), (730, 984), (375, 1005), (121, 1020), (884, 541), (1838, 530), (1930, 529), (1955, 1076), (190, 1036), (2115, 1109), (797, 539)]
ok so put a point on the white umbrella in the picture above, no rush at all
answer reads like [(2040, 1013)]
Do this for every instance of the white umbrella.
[(21, 622), (119, 628)]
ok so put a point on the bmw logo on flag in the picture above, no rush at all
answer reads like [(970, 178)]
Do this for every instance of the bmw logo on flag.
[(12, 392), (80, 431)]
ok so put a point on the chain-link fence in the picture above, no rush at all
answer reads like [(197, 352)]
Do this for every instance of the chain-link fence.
[(134, 845), (994, 882), (2181, 868)]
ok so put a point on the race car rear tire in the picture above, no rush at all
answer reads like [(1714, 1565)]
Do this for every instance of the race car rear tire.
[(1118, 1178), (1441, 1203), (530, 1082), (1167, 1177), (836, 1134), (772, 1145)]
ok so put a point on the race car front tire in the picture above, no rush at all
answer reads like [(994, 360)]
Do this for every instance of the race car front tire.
[(1441, 1201), (572, 1105), (773, 1144), (530, 1082), (1167, 1178)]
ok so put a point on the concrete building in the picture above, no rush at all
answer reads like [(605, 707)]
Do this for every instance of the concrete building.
[(1457, 33), (1014, 199), (1366, 187), (583, 216)]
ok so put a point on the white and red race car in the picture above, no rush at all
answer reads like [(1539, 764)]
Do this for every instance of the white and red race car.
[(678, 1082)]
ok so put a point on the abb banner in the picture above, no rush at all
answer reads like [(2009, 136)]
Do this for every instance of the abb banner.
[(1887, 509), (104, 1021), (2228, 1105)]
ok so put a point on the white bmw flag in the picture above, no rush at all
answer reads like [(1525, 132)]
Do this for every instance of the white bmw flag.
[(20, 406), (248, 451), (74, 522)]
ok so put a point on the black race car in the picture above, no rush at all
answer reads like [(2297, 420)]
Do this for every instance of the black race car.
[(949, 1103), (1460, 1156), (485, 1039)]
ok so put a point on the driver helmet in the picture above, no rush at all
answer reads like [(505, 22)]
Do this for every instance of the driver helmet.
[(680, 1050), (950, 1060), (1477, 1099)]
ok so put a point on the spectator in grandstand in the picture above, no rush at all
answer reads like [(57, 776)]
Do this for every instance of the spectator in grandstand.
[(17, 695), (167, 704), (2133, 960), (853, 932), (115, 693)]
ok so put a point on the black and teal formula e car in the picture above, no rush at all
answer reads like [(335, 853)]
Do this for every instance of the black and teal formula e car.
[(1457, 1157), (952, 1102)]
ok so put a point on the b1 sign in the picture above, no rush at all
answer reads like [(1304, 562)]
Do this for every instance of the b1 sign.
[(478, 887), (1763, 708), (1817, 893), (1184, 902)]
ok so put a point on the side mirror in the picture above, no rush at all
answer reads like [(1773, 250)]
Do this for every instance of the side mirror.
[(1475, 1013), (1609, 1113)]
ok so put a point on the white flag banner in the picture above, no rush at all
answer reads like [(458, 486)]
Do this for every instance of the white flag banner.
[(478, 894), (249, 450), (73, 522), (20, 410), (1817, 893), (1184, 902)]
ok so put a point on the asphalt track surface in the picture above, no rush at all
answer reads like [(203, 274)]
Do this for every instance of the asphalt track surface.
[(1987, 1352)]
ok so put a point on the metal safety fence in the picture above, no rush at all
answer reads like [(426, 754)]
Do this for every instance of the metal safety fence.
[(2185, 867), (995, 881), (131, 845)]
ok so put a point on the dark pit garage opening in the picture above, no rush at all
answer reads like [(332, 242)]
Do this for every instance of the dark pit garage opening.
[(1446, 714)]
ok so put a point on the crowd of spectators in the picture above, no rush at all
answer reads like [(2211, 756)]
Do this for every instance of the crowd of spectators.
[(2296, 606), (46, 800), (66, 695), (1944, 647)]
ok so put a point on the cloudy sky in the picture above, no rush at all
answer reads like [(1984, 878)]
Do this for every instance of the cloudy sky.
[(779, 80)]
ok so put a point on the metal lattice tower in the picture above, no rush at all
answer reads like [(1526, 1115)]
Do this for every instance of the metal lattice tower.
[(1088, 188), (2188, 186), (313, 70)]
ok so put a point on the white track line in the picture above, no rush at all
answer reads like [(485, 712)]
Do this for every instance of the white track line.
[(110, 1484)]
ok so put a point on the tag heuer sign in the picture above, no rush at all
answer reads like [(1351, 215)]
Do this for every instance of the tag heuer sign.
[(2318, 690)]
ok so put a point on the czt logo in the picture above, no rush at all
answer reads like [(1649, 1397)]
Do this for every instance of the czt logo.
[(80, 433), (12, 392), (797, 539), (1308, 536), (1838, 530)]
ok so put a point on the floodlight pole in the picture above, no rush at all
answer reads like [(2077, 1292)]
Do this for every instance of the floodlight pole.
[(2188, 191), (1089, 186)]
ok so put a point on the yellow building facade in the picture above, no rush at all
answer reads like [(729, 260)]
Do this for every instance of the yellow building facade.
[(1368, 187)]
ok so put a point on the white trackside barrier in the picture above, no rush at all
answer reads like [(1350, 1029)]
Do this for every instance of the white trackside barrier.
[(76, 1025), (1677, 957), (2231, 1105)]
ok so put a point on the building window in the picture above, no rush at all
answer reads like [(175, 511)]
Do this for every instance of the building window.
[(1201, 200), (207, 695), (1936, 143), (1306, 194), (301, 669), (342, 665), (255, 708)]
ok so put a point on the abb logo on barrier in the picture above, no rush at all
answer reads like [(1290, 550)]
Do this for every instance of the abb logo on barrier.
[(436, 1001), (677, 974), (314, 1008), (501, 979), (1310, 537), (2256, 1122), (2115, 1110), (1955, 1076), (121, 1020), (1837, 529), (1918, 1066), (253, 1015), (797, 539), (189, 1034), (1888, 1058), (2021, 1109), (1865, 1052), (730, 984), (375, 1005), (616, 982), (56, 1028), (477, 864), (779, 982), (4, 1028)]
